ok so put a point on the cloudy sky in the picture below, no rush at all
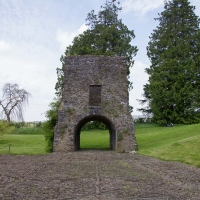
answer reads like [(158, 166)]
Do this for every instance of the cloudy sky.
[(35, 33)]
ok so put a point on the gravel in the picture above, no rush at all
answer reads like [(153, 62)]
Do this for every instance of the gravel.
[(96, 175)]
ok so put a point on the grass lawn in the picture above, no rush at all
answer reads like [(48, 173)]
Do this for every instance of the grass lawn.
[(22, 144), (94, 139), (178, 143)]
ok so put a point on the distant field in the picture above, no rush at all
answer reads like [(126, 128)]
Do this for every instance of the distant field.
[(178, 143)]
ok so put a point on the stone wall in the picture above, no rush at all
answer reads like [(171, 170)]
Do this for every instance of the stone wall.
[(95, 88)]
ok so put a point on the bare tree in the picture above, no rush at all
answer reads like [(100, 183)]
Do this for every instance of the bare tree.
[(14, 101)]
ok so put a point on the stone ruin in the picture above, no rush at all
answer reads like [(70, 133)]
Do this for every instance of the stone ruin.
[(95, 88)]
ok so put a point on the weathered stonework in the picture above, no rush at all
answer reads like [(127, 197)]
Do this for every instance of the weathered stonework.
[(95, 88)]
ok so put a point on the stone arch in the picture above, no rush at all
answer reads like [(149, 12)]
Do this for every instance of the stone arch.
[(103, 119)]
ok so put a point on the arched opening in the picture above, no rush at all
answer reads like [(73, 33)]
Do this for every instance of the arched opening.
[(104, 120)]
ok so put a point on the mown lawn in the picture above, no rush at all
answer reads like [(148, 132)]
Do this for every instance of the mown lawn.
[(177, 143), (22, 144), (94, 139)]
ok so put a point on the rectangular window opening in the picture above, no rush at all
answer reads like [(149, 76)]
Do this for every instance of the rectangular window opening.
[(95, 95)]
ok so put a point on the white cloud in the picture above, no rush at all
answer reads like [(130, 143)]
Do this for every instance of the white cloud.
[(4, 46), (141, 6), (66, 38)]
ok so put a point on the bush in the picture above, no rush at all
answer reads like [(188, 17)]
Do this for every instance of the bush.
[(27, 131), (49, 125), (5, 128), (49, 135)]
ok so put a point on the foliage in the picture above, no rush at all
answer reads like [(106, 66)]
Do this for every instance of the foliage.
[(60, 79), (5, 128), (28, 131), (18, 124), (178, 143), (94, 125), (14, 101), (106, 35), (48, 126), (174, 75)]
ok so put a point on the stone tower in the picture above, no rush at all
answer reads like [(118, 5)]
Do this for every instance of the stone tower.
[(95, 88)]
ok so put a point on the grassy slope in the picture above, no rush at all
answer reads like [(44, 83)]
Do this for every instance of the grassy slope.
[(23, 144), (180, 143)]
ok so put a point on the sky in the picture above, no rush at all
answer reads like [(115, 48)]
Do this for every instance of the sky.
[(35, 33)]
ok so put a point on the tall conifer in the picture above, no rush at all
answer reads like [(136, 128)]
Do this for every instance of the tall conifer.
[(174, 74)]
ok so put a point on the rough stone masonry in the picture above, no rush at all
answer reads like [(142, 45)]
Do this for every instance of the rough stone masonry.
[(95, 88)]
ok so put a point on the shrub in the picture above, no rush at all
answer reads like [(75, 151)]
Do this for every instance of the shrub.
[(49, 125), (28, 131), (5, 128)]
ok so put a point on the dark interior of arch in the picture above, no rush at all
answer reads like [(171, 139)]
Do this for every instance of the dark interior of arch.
[(102, 119)]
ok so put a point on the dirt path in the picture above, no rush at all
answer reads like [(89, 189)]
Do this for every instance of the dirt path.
[(96, 175)]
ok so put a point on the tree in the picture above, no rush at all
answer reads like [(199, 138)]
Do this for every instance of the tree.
[(106, 35), (174, 75), (14, 101)]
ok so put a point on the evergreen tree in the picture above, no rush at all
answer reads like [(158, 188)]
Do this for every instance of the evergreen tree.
[(174, 75), (106, 35)]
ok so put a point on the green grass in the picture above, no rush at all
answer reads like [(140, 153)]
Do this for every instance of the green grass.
[(94, 139), (178, 143), (22, 144)]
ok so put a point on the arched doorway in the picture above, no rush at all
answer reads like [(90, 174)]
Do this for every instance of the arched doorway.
[(107, 122)]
